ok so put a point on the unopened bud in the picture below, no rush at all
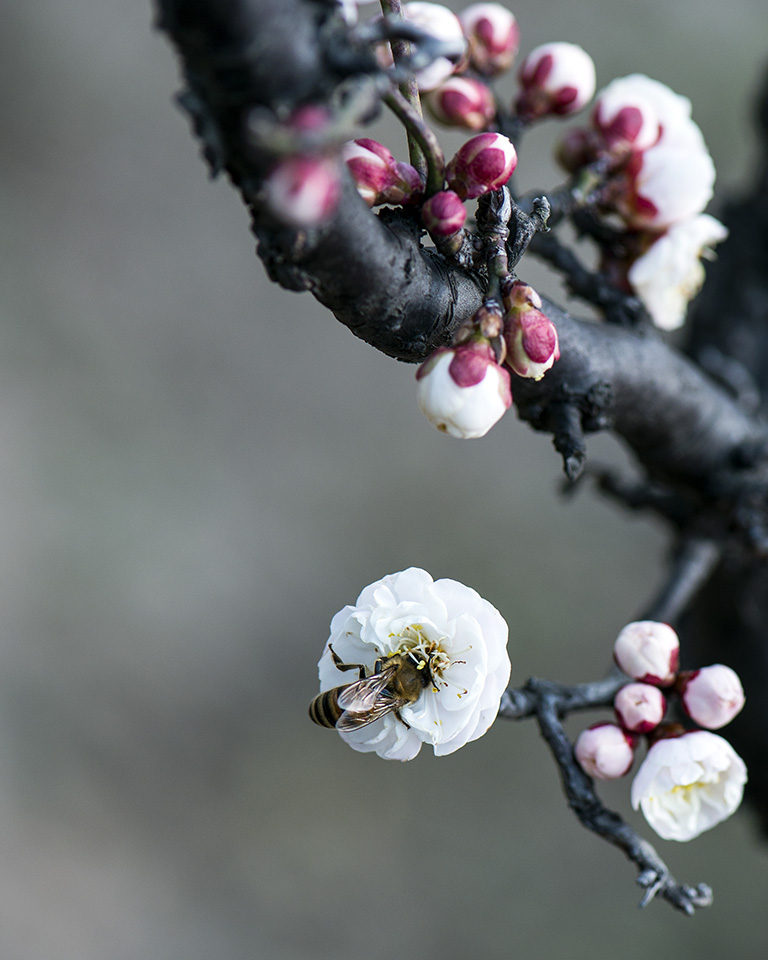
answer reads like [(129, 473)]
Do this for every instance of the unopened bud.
[(443, 24), (406, 186), (493, 36), (556, 79), (624, 118), (462, 102), (712, 696), (483, 164), (649, 651), (530, 336), (462, 390), (303, 190), (372, 167), (443, 214), (604, 751), (639, 707), (578, 148)]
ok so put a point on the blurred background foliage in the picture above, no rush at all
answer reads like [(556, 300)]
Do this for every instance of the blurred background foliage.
[(198, 469)]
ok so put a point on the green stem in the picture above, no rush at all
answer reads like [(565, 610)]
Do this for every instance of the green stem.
[(424, 137)]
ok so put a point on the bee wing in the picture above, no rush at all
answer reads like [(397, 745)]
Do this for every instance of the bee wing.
[(384, 704), (361, 696)]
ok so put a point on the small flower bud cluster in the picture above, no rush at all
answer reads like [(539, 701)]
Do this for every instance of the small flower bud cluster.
[(690, 780), (661, 179), (465, 389)]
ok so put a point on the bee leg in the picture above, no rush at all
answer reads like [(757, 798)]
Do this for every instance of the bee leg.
[(340, 665), (404, 722)]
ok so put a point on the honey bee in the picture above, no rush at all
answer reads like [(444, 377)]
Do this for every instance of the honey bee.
[(396, 681)]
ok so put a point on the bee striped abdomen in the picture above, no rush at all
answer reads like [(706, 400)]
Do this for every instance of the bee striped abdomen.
[(325, 709)]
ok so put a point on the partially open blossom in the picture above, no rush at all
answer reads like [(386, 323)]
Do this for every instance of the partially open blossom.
[(483, 164), (670, 273), (555, 79), (530, 336), (461, 638), (439, 22), (462, 102), (649, 651), (639, 707), (712, 696), (604, 751), (625, 118), (666, 184), (443, 214), (493, 36), (688, 784), (462, 390), (303, 190), (372, 167), (673, 111)]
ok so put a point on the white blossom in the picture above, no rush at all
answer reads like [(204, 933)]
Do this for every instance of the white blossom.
[(670, 273), (688, 784), (640, 707), (461, 635), (713, 696), (649, 651)]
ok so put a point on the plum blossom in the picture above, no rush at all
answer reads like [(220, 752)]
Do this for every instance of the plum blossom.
[(556, 79), (688, 784), (463, 637), (604, 751), (463, 391), (649, 651), (712, 696), (462, 102), (670, 273)]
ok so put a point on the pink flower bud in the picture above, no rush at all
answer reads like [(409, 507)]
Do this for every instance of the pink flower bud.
[(604, 751), (640, 707), (624, 118), (443, 214), (649, 651), (406, 186), (712, 696), (493, 36), (556, 79), (462, 102), (529, 335), (462, 390), (372, 167), (483, 164), (303, 190)]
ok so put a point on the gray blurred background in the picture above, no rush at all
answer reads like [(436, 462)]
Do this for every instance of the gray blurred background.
[(198, 470)]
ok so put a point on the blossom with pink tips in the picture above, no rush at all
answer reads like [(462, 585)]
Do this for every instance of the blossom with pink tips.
[(639, 707), (649, 651), (604, 751), (493, 36), (443, 214), (530, 336), (303, 190), (462, 102), (371, 165), (712, 696), (483, 164), (462, 390), (556, 79)]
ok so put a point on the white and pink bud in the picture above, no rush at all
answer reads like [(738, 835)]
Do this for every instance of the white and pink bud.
[(625, 119), (443, 214), (493, 36), (605, 751), (462, 390), (639, 707), (483, 164), (303, 190), (556, 79), (442, 23), (649, 651), (406, 187), (462, 102), (529, 335), (712, 696), (371, 166)]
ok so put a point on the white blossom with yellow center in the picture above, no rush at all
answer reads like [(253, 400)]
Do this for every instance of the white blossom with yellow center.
[(447, 626)]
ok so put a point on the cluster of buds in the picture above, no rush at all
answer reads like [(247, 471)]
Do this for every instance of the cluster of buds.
[(661, 179), (379, 178), (690, 780), (465, 389)]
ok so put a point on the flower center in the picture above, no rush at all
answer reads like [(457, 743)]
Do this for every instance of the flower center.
[(429, 653)]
